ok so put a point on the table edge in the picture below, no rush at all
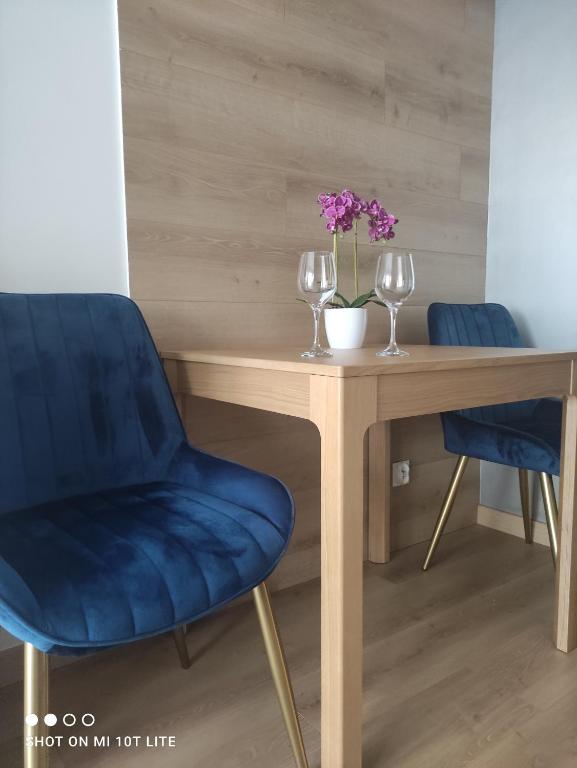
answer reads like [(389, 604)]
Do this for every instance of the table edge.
[(389, 367)]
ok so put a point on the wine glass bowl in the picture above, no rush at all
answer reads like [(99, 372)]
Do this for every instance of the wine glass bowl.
[(317, 283), (394, 283)]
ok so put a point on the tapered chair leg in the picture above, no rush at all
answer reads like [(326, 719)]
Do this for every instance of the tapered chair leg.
[(525, 505), (446, 508), (35, 707), (179, 637), (279, 671), (551, 513)]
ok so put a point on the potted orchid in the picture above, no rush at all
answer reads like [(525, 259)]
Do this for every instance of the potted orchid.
[(346, 319)]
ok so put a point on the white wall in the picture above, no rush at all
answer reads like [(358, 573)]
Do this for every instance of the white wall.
[(532, 237), (62, 211)]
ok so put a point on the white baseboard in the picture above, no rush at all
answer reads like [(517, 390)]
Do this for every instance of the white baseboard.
[(506, 522)]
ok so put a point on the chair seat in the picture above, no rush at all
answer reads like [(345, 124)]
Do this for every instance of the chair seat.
[(532, 442), (111, 567)]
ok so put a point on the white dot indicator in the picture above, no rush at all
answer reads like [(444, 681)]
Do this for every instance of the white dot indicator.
[(88, 720), (31, 720), (69, 719), (50, 719)]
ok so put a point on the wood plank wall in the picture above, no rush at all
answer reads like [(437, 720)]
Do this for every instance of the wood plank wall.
[(236, 114)]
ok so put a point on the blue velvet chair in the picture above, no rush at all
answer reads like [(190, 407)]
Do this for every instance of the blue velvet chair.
[(525, 435), (112, 527)]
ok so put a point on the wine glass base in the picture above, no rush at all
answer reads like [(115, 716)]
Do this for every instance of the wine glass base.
[(316, 353), (392, 352)]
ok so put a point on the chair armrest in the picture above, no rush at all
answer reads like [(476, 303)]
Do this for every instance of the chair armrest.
[(263, 494)]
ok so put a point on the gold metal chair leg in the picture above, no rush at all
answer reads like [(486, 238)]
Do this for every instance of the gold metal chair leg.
[(179, 637), (35, 706), (279, 671), (526, 505), (551, 513), (446, 508)]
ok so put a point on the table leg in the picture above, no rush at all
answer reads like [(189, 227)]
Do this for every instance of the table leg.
[(566, 602), (379, 507), (171, 369), (342, 409)]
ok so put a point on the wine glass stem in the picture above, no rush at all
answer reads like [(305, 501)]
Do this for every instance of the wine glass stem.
[(393, 314), (316, 318)]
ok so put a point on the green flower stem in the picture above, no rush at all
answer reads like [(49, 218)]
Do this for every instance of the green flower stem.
[(356, 262), (336, 252)]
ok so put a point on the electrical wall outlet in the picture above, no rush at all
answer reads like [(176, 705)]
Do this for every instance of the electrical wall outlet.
[(401, 472)]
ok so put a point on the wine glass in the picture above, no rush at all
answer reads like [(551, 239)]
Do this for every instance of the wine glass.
[(394, 283), (317, 283)]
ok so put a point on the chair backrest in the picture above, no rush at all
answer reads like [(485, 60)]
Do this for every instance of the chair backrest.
[(478, 325), (84, 402)]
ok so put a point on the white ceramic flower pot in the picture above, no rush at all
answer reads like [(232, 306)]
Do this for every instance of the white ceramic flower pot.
[(346, 328)]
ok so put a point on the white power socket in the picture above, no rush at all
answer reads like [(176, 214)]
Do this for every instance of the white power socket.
[(401, 474)]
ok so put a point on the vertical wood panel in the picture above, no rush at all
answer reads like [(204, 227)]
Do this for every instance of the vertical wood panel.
[(236, 114)]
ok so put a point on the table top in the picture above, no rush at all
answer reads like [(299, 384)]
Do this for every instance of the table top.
[(364, 362)]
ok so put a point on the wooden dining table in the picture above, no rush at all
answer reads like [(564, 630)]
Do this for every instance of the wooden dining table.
[(346, 396)]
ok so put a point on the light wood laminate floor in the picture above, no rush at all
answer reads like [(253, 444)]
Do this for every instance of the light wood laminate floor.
[(460, 671)]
